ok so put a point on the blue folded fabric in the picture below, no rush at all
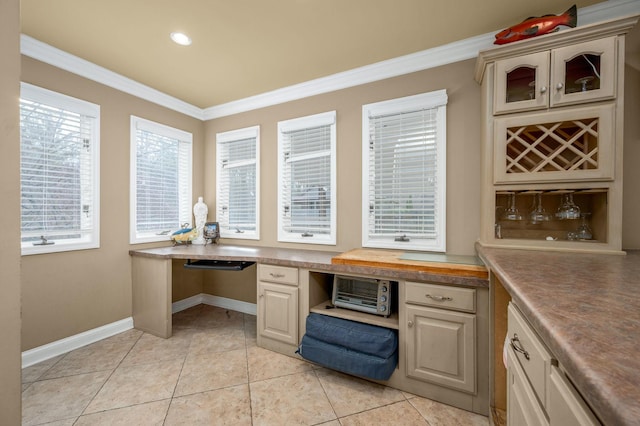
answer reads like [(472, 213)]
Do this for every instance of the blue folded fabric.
[(366, 338), (346, 360)]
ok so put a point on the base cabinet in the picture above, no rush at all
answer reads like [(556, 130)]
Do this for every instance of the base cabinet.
[(523, 408), (538, 391), (441, 347), (277, 306)]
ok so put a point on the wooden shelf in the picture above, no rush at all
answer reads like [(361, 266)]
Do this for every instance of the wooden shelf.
[(388, 322)]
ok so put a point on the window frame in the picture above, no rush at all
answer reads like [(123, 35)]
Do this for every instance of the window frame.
[(436, 99), (90, 240), (300, 123), (230, 137), (136, 237)]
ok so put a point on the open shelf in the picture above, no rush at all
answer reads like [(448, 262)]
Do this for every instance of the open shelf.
[(327, 308)]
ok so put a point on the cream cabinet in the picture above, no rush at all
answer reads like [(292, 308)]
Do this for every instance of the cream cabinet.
[(441, 342), (538, 390), (552, 121), (584, 72), (561, 146), (277, 308)]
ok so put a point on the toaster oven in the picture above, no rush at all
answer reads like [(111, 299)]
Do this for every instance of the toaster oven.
[(362, 294)]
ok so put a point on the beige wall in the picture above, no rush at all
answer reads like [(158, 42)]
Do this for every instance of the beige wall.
[(631, 156), (463, 152), (67, 293), (10, 388)]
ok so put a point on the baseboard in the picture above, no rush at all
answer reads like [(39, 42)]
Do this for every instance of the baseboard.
[(62, 346), (220, 302), (232, 304)]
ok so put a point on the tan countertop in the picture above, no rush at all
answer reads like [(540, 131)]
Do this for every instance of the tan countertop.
[(586, 308)]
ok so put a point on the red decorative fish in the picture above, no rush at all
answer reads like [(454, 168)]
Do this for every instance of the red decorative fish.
[(533, 26)]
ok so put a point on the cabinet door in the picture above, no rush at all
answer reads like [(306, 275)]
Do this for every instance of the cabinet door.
[(441, 347), (555, 146), (521, 83), (523, 408), (278, 312), (584, 72), (566, 407)]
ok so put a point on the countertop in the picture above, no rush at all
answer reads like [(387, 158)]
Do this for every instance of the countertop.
[(455, 274), (586, 308)]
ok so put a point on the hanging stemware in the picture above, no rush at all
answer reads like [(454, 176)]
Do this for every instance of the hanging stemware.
[(512, 212), (538, 214)]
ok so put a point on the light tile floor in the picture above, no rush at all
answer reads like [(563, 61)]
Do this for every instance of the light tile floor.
[(210, 372)]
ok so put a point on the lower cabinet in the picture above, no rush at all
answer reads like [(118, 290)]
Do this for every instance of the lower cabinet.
[(277, 307), (522, 405), (538, 390), (441, 347), (440, 339), (278, 312)]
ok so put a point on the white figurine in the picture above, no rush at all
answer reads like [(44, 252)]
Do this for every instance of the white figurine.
[(200, 211)]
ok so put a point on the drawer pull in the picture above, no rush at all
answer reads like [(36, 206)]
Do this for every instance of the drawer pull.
[(439, 298), (517, 346), (276, 275)]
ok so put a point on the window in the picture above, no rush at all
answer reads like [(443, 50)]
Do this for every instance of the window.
[(404, 170), (307, 179), (160, 180), (59, 172), (238, 188)]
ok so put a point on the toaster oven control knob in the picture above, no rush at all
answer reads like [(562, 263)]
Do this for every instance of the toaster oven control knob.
[(383, 298), (384, 288), (383, 308)]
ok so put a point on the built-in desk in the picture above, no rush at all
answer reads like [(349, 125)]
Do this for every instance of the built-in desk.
[(151, 273)]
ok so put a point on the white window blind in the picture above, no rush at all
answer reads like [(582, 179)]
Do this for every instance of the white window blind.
[(161, 180), (404, 173), (306, 169), (59, 173), (238, 189)]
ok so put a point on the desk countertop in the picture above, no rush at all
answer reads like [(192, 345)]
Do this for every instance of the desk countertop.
[(586, 308), (452, 273)]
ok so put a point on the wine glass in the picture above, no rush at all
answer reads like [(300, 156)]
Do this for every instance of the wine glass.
[(512, 212), (538, 214), (583, 82), (584, 232), (568, 209)]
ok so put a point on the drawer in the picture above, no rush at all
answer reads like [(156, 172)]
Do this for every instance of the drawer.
[(278, 274), (441, 296), (532, 355)]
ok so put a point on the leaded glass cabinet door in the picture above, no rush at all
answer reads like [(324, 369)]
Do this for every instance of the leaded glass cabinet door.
[(522, 83), (584, 72)]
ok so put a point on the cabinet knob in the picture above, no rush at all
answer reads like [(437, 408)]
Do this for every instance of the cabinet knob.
[(543, 89), (410, 324), (559, 86)]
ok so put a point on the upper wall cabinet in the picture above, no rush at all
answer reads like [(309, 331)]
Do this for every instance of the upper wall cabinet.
[(552, 139), (574, 74)]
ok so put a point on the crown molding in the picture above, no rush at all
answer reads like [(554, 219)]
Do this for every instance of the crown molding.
[(430, 58), (43, 52)]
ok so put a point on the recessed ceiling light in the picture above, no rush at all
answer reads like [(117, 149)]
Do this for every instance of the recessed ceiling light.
[(181, 39)]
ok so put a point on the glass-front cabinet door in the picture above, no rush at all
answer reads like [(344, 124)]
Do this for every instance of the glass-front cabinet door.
[(584, 72), (522, 83)]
